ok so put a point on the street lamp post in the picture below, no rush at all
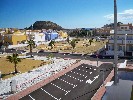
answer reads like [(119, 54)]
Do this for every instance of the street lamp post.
[(103, 71), (115, 43), (3, 43), (97, 58), (125, 43), (0, 76)]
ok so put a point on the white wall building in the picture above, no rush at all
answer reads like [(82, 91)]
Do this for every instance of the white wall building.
[(124, 41), (39, 37)]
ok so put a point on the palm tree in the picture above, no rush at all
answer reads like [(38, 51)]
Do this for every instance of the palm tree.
[(14, 59), (73, 44), (31, 44), (90, 41), (51, 44), (68, 39), (50, 56)]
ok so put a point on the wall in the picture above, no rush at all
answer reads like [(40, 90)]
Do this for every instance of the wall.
[(18, 38), (120, 53)]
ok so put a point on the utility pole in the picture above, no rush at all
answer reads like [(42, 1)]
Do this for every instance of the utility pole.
[(115, 44)]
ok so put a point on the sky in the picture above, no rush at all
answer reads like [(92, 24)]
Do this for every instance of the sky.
[(66, 13)]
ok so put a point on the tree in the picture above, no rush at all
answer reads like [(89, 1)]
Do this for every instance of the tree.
[(51, 44), (73, 44), (31, 44), (68, 39), (90, 41), (50, 56), (1, 44), (14, 59)]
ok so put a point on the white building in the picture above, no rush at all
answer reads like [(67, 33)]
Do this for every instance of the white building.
[(124, 41), (39, 37)]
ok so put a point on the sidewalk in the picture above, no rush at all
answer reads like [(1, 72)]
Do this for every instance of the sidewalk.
[(100, 92), (129, 67)]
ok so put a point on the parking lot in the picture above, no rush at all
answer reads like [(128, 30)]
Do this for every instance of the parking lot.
[(78, 84)]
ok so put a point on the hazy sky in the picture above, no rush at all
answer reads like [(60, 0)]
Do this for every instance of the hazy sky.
[(67, 13)]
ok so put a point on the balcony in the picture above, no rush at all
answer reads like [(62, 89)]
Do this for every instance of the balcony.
[(120, 41), (122, 32)]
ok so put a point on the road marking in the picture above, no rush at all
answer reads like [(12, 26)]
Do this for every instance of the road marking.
[(67, 92), (31, 97), (58, 87), (61, 88), (51, 94), (89, 81), (78, 74), (74, 78), (68, 83), (84, 71)]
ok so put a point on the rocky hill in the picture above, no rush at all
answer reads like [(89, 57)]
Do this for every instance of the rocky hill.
[(45, 25)]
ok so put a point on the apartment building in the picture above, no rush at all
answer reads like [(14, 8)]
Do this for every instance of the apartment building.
[(13, 38), (103, 31), (124, 41)]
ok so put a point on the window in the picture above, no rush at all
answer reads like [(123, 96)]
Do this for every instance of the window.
[(120, 48), (108, 47), (122, 27)]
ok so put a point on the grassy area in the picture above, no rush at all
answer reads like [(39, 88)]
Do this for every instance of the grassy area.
[(82, 46), (24, 66)]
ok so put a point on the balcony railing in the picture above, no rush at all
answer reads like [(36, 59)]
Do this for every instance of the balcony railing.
[(120, 41), (122, 32)]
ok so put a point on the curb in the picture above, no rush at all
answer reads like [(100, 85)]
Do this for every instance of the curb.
[(100, 92)]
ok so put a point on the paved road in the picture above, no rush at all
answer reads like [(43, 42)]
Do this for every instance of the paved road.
[(75, 56), (79, 84)]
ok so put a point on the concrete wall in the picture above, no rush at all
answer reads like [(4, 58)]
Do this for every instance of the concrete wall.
[(109, 52), (121, 91)]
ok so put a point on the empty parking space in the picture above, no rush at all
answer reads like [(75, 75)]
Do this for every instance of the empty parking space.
[(78, 84)]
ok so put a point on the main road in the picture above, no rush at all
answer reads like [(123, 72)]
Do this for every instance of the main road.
[(77, 56)]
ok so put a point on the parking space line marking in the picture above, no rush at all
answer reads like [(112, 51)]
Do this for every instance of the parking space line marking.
[(79, 74), (31, 97), (61, 88), (68, 83), (83, 70), (50, 94), (74, 78), (58, 87)]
